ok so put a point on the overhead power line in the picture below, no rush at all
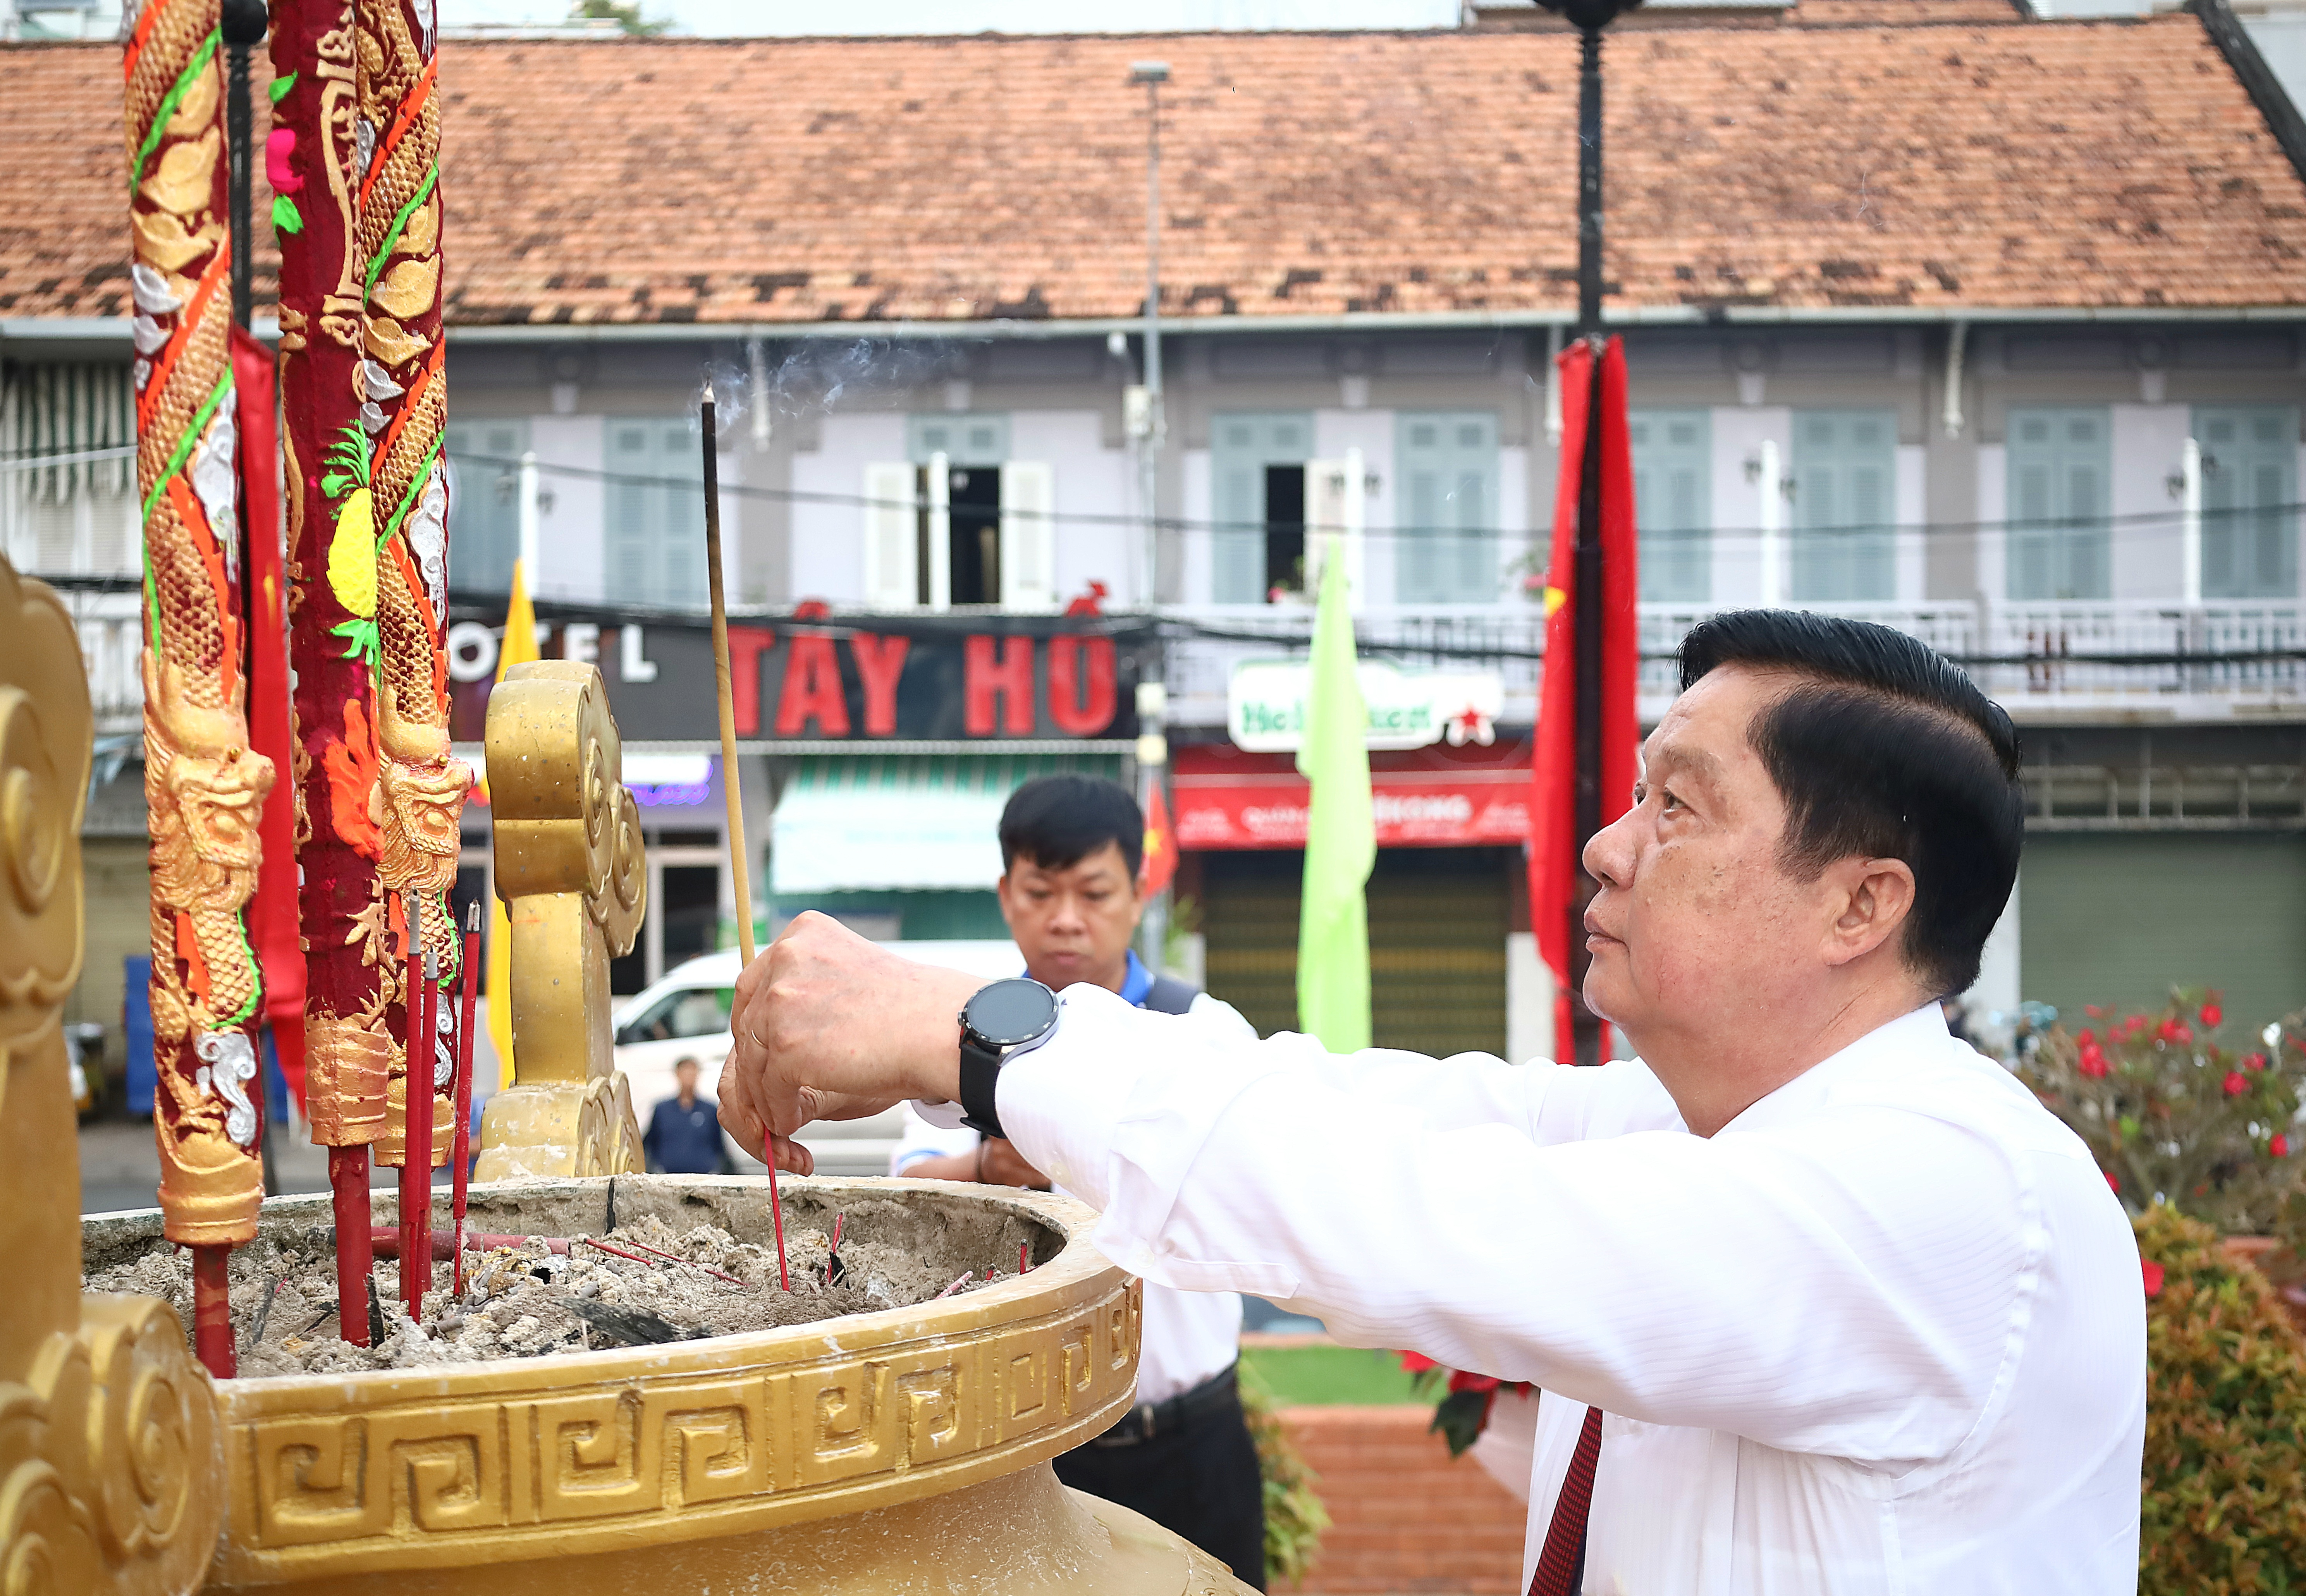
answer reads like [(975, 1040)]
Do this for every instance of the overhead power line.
[(2138, 520)]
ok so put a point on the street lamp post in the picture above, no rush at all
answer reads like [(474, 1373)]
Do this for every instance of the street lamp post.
[(1589, 17), (1152, 75)]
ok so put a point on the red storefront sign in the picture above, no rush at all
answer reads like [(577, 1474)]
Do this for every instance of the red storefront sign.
[(1427, 798)]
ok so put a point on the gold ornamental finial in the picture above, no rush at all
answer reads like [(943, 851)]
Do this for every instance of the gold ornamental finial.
[(110, 1470), (571, 869)]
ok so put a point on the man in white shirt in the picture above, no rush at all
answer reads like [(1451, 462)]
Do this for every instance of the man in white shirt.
[(1071, 849), (1821, 1300)]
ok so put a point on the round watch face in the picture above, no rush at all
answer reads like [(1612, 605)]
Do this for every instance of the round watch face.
[(1009, 1013)]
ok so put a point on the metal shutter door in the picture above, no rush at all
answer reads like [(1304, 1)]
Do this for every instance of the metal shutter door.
[(1438, 924), (2123, 918)]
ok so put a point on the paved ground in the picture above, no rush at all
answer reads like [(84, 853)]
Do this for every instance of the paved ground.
[(120, 1166)]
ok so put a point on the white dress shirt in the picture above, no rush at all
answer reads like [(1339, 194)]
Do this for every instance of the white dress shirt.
[(1883, 1332), (1189, 1335)]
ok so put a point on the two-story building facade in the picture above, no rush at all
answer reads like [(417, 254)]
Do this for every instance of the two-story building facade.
[(1988, 327)]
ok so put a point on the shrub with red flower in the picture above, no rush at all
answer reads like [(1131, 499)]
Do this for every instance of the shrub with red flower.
[(2174, 1116), (1462, 1412)]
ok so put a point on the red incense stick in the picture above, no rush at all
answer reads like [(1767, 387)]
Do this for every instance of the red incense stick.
[(416, 1150), (212, 1311), (356, 1257), (1024, 1257), (463, 1156), (668, 1257)]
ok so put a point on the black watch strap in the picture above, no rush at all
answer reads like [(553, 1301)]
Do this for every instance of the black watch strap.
[(980, 1075)]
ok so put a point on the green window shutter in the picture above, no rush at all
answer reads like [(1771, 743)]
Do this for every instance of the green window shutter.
[(1844, 467), (485, 502), (1673, 474), (1445, 542), (2249, 473), (1241, 445), (655, 535), (2059, 542)]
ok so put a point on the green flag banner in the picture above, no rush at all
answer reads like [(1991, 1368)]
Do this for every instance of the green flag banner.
[(1333, 966)]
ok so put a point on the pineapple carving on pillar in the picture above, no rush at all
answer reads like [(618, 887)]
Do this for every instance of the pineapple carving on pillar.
[(571, 869), (111, 1470)]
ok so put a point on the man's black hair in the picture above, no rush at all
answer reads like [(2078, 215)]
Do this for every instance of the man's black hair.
[(1058, 820), (1883, 747)]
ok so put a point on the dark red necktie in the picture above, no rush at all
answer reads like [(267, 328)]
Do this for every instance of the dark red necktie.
[(1563, 1560)]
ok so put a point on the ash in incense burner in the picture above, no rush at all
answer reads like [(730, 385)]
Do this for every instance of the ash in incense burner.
[(577, 1267)]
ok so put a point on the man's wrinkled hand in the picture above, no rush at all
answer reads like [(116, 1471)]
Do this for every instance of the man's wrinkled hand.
[(827, 1026)]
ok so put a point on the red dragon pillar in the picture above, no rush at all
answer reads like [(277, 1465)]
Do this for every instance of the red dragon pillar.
[(313, 159)]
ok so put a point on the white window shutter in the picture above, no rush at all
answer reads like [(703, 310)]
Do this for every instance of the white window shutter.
[(1331, 522), (1028, 536), (891, 548)]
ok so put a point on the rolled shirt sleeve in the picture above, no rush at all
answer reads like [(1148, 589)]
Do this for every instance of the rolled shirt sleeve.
[(1841, 1287)]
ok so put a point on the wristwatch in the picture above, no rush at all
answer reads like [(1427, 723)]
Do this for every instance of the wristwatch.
[(998, 1023)]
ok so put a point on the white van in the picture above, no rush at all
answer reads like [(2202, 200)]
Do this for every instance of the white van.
[(685, 1015)]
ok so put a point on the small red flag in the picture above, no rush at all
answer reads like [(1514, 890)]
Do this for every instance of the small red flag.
[(1160, 863), (1553, 841), (272, 913)]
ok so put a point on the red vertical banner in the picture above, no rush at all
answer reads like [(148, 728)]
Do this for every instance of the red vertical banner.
[(1159, 867), (273, 913), (1554, 843)]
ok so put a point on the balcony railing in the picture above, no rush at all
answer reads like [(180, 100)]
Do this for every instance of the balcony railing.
[(111, 640), (2041, 659)]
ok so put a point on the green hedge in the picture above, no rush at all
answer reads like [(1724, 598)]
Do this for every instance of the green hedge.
[(2225, 1506)]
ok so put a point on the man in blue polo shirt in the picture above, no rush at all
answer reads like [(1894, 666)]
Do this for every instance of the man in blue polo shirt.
[(1071, 847), (684, 1133)]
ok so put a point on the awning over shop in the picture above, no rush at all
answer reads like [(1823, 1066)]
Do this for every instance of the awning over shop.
[(1438, 796), (853, 823)]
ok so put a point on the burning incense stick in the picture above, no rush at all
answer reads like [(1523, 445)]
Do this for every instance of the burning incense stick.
[(738, 885), (463, 1142)]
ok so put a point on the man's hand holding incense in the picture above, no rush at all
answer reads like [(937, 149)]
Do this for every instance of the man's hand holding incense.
[(827, 1026)]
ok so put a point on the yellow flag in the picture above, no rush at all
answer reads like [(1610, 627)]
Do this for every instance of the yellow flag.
[(519, 648)]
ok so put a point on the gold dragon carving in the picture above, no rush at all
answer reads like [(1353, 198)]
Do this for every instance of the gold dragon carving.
[(110, 1458), (204, 786), (571, 868), (421, 788)]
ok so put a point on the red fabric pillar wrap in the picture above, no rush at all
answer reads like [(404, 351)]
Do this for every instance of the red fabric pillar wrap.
[(1553, 863), (273, 913), (311, 159)]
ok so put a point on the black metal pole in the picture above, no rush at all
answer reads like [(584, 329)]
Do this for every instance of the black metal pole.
[(1589, 181), (242, 24), (1585, 1026)]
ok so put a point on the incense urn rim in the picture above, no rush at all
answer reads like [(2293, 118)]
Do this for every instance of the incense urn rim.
[(506, 1460)]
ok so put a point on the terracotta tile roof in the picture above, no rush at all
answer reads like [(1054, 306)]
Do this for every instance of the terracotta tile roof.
[(2069, 163)]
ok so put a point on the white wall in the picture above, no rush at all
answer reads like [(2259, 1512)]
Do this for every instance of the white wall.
[(1091, 480), (2149, 447), (1738, 433), (1993, 1002), (1912, 515), (1992, 508), (1370, 432), (1529, 1000), (571, 534), (1199, 573), (828, 540)]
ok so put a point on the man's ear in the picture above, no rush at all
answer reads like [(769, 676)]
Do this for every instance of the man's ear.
[(1872, 901)]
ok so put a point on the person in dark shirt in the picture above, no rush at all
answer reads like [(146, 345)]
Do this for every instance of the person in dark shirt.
[(684, 1133)]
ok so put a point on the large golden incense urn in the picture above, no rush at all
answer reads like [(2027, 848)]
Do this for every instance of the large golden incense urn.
[(904, 1450), (899, 1451)]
